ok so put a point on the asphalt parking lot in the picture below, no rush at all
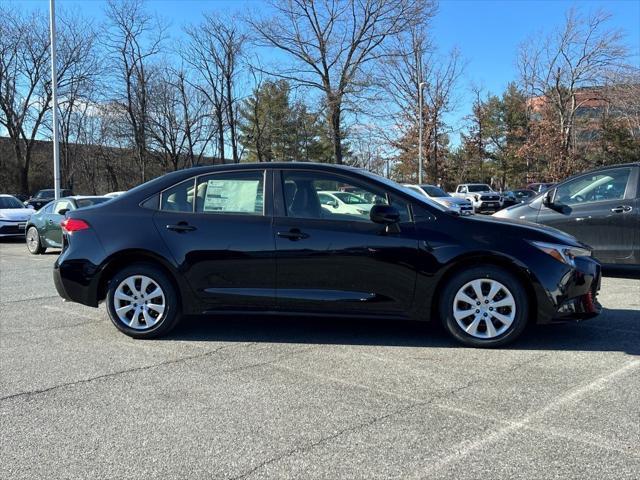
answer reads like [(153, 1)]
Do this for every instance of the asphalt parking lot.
[(297, 398)]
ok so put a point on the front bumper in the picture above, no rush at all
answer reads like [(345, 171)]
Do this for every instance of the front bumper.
[(9, 228), (487, 206), (575, 297)]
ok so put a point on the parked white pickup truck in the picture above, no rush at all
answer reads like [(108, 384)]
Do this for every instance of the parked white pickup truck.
[(482, 196)]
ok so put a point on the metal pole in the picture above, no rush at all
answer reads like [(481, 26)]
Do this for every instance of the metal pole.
[(54, 99), (420, 128)]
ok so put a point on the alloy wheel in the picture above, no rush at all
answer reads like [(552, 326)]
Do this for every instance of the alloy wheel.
[(33, 242), (484, 308), (139, 302)]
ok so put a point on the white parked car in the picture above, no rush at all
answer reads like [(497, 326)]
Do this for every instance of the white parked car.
[(114, 194), (13, 216), (460, 205), (344, 202)]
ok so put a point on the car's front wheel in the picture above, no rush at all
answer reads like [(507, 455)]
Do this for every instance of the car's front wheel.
[(484, 306), (34, 244), (142, 301)]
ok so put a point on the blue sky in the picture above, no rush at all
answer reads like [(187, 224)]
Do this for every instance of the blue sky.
[(487, 32)]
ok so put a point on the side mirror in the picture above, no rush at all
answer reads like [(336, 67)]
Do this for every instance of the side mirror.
[(63, 211), (547, 199), (334, 204), (384, 214)]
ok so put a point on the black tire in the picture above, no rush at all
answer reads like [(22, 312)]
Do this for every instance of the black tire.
[(172, 312), (485, 274), (34, 243)]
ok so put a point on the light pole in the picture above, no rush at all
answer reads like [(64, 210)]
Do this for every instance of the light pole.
[(420, 128), (54, 99)]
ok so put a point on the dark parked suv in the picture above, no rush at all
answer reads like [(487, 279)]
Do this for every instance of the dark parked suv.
[(255, 238), (600, 208)]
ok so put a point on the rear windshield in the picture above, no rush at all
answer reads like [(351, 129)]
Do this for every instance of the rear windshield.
[(45, 194), (88, 202), (434, 191)]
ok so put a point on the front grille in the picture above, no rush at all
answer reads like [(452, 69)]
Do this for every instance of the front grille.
[(11, 230)]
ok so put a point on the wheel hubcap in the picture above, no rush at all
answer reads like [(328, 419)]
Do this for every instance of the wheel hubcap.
[(484, 308), (139, 302), (32, 240)]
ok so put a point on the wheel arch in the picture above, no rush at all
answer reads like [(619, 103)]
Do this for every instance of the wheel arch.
[(125, 258), (510, 265)]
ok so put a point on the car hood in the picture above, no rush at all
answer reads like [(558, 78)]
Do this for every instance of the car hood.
[(454, 200), (553, 234), (16, 214)]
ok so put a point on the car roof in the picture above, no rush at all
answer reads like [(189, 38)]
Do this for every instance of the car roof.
[(82, 197)]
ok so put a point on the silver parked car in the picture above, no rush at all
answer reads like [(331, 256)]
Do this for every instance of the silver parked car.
[(460, 205)]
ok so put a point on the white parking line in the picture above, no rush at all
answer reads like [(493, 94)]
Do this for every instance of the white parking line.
[(465, 448)]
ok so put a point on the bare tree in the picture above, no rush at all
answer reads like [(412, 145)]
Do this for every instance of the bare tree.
[(133, 39), (418, 65), (333, 45), (555, 67), (25, 77), (214, 52)]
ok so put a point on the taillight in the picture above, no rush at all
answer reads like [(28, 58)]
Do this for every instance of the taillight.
[(71, 225)]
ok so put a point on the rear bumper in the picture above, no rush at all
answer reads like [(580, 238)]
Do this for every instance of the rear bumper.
[(77, 281)]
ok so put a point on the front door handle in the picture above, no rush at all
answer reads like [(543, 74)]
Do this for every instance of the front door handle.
[(181, 227), (293, 234), (622, 209)]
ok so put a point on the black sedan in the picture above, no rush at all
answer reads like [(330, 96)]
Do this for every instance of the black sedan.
[(43, 229), (254, 238), (514, 197), (42, 197)]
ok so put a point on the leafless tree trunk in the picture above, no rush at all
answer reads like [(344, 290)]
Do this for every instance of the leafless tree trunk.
[(134, 38), (214, 52)]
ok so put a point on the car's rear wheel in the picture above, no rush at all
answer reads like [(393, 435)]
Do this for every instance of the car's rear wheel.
[(484, 307), (142, 301), (34, 245)]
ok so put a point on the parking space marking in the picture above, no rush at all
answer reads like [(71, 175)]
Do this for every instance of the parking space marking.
[(465, 448), (601, 442)]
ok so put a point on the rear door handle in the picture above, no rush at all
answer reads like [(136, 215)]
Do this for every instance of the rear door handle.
[(622, 209), (181, 227), (293, 234)]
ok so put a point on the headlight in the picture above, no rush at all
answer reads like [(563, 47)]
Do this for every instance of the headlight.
[(477, 197), (562, 253)]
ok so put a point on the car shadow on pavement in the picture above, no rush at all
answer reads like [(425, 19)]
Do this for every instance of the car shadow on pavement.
[(616, 330)]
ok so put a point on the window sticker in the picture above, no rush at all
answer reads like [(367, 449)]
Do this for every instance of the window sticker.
[(231, 196)]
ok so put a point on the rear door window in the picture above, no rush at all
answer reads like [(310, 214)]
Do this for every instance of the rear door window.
[(178, 198), (240, 192), (62, 205)]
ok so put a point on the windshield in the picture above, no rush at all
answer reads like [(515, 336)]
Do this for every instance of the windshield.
[(10, 202), (350, 198), (88, 202), (434, 191), (480, 188), (45, 194)]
